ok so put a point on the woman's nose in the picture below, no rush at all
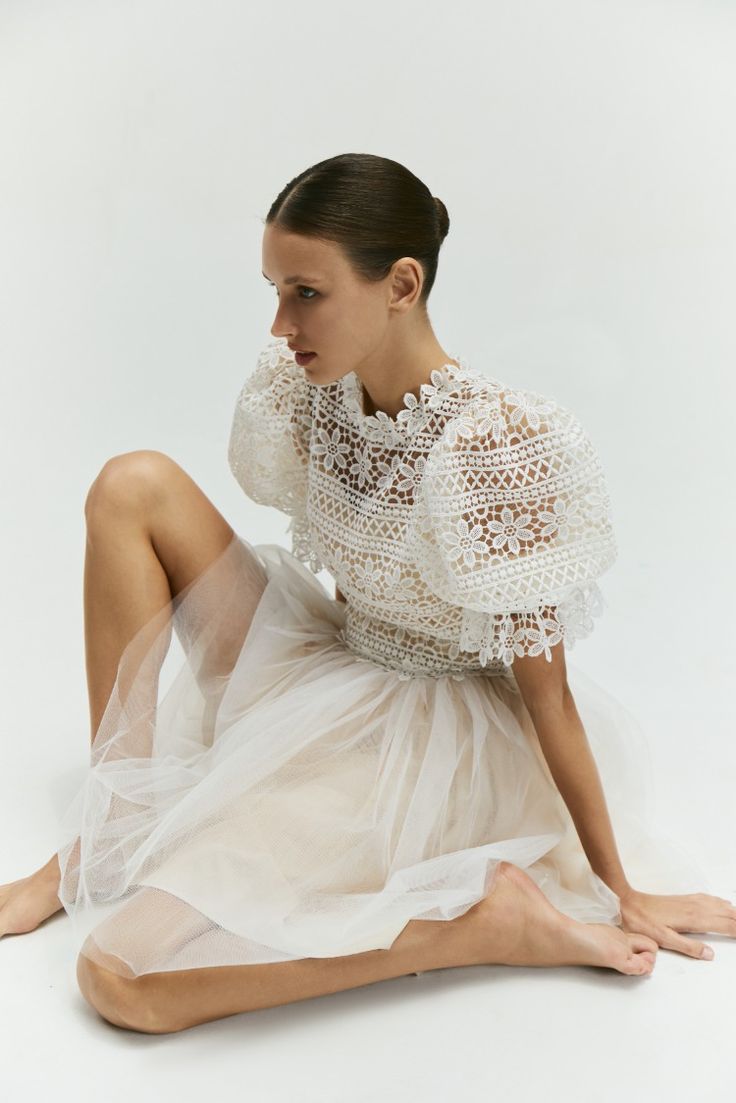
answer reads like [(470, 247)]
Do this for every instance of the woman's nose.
[(281, 327)]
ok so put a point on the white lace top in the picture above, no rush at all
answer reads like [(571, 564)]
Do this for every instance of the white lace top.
[(465, 531)]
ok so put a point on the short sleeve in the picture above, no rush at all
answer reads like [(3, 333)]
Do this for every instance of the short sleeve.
[(268, 451), (512, 524)]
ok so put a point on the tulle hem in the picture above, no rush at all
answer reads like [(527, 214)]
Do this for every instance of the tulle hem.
[(280, 799)]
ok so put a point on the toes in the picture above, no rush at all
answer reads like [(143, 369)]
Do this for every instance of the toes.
[(643, 962), (638, 964), (642, 942)]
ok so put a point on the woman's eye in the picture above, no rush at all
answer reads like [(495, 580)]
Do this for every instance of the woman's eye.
[(312, 292)]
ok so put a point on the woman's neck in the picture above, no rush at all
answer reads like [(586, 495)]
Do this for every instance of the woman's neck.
[(386, 393)]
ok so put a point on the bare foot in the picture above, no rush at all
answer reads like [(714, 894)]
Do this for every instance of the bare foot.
[(27, 902), (515, 924)]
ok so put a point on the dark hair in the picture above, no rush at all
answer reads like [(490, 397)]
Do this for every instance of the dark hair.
[(373, 207)]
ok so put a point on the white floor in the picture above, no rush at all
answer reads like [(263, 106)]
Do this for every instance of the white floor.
[(470, 1034)]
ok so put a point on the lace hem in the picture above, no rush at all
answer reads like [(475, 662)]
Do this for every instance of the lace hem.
[(301, 543), (504, 636)]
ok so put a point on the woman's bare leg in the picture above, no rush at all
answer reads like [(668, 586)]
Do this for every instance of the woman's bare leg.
[(150, 531), (514, 924)]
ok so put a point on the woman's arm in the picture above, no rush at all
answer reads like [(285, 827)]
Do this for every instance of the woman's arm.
[(562, 737), (666, 919)]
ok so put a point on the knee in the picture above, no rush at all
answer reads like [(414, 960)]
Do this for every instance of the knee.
[(130, 480), (120, 997)]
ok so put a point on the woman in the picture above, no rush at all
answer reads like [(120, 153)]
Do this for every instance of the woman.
[(336, 791)]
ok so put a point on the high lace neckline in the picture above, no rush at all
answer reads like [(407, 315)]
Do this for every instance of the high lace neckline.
[(415, 411)]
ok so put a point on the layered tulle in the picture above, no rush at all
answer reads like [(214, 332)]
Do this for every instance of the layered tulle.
[(283, 798)]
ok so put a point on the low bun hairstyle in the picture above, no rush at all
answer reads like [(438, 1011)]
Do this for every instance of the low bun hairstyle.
[(374, 208), (443, 217)]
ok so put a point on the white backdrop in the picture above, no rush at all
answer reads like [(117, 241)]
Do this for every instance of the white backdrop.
[(585, 152)]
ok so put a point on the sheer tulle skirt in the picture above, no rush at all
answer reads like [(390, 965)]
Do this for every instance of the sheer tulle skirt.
[(283, 799)]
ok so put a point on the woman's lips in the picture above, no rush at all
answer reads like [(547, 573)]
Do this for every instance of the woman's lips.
[(304, 358)]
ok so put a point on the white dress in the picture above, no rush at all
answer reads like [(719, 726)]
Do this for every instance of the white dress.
[(318, 774)]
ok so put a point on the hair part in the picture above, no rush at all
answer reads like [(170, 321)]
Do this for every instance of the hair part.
[(374, 208)]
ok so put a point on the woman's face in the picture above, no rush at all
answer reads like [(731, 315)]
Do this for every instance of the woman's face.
[(328, 310)]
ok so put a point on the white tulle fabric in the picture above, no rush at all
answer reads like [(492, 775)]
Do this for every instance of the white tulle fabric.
[(317, 774)]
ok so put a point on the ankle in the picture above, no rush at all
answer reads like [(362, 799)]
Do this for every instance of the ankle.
[(50, 872), (426, 944), (448, 943)]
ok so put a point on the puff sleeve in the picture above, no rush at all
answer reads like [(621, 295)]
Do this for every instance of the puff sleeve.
[(268, 450), (512, 524)]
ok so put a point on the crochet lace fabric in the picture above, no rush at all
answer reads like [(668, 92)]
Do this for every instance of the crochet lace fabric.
[(467, 530)]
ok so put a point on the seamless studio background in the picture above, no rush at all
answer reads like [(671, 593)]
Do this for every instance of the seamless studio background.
[(584, 152)]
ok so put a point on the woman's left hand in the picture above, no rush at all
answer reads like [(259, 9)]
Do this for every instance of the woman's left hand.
[(662, 917)]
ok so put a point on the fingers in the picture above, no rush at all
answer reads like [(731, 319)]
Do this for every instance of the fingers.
[(708, 913), (695, 913), (671, 940), (668, 939)]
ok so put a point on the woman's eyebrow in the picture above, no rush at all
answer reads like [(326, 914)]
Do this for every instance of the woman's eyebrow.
[(296, 279)]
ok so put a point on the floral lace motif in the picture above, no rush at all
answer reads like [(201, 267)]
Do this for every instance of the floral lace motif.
[(466, 531), (270, 439), (380, 428)]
